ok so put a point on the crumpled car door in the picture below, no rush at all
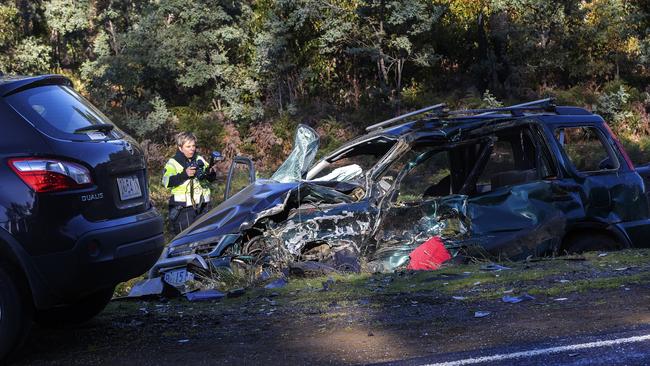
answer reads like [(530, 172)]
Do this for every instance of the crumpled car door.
[(511, 222), (490, 207)]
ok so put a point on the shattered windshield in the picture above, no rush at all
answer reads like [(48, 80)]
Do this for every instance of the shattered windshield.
[(304, 151)]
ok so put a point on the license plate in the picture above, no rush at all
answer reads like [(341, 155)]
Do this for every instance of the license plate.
[(129, 187), (178, 277)]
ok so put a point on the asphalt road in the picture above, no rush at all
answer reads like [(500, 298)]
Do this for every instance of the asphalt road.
[(595, 312), (620, 348)]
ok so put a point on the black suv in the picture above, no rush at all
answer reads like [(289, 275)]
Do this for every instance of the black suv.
[(75, 214)]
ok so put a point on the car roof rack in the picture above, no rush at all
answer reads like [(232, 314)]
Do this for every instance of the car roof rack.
[(387, 122), (547, 104)]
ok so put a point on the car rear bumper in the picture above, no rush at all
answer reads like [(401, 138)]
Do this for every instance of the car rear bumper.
[(118, 251)]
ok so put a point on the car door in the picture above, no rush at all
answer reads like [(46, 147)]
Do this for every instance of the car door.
[(494, 195), (611, 191)]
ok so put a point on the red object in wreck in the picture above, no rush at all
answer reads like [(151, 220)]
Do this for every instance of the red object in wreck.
[(429, 256)]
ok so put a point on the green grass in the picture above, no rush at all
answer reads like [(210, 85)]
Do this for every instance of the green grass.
[(592, 284), (539, 277), (585, 273)]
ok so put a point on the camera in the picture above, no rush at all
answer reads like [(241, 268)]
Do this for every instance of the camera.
[(200, 169)]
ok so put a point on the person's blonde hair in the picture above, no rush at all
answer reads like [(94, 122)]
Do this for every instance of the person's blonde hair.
[(184, 137)]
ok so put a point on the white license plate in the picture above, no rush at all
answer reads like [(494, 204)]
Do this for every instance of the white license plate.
[(178, 277), (129, 187)]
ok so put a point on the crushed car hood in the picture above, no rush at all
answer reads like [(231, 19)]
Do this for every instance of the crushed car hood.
[(243, 208), (261, 199), (258, 199)]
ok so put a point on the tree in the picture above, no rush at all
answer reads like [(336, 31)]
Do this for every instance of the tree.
[(393, 33), (68, 22)]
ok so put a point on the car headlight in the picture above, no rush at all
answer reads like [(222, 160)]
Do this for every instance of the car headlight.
[(189, 248)]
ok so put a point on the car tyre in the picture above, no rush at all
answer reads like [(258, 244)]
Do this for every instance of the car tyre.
[(587, 242), (15, 312), (77, 313)]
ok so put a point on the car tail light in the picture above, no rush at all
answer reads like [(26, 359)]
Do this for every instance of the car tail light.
[(50, 175)]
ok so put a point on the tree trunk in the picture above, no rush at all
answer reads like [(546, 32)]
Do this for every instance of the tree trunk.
[(111, 31), (398, 72)]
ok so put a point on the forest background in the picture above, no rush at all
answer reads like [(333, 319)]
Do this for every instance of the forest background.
[(243, 74)]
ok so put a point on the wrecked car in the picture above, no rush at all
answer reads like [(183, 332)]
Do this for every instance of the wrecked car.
[(513, 182)]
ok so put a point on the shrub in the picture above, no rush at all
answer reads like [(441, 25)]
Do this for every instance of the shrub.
[(490, 101)]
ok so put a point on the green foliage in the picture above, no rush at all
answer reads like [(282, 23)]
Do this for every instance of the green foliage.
[(18, 54), (490, 101), (284, 127), (332, 135), (639, 151), (257, 68), (612, 107), (583, 95), (65, 17), (144, 127), (10, 25), (208, 127), (31, 56)]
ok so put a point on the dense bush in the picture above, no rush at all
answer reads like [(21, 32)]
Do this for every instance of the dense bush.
[(243, 74)]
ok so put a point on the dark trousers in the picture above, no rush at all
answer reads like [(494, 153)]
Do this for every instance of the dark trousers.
[(180, 218)]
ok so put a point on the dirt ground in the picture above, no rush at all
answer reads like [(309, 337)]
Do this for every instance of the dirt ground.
[(362, 319)]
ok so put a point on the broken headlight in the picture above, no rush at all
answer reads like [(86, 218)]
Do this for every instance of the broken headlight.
[(201, 246), (212, 246)]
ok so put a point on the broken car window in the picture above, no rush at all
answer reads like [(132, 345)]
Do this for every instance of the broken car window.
[(305, 147), (427, 175), (501, 161), (360, 162), (515, 159), (353, 161), (585, 149)]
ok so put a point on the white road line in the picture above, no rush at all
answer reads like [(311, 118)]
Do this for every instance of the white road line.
[(536, 352)]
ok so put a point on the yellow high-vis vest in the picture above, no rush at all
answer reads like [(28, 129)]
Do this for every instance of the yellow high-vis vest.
[(183, 192)]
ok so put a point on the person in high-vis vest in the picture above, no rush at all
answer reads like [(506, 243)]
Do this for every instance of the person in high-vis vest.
[(187, 174)]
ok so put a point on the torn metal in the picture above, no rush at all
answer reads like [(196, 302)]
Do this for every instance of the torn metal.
[(492, 186)]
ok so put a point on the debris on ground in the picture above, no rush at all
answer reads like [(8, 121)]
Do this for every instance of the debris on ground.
[(481, 314), (517, 299), (364, 302), (494, 267), (152, 286), (236, 292), (278, 283), (205, 295), (327, 285), (310, 268)]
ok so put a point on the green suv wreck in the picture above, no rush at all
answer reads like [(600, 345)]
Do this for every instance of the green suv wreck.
[(526, 180)]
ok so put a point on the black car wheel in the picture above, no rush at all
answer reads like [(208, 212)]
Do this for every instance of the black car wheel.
[(77, 313), (15, 312)]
